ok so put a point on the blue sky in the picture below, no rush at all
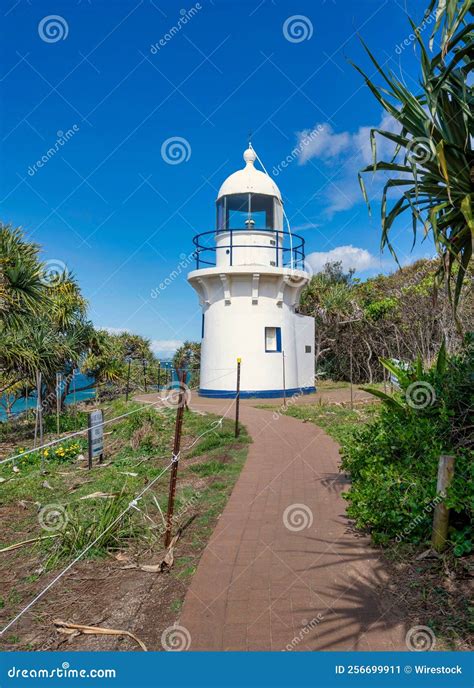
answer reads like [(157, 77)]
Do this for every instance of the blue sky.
[(110, 206)]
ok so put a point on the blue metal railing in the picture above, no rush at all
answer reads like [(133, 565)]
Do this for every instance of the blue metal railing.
[(289, 249)]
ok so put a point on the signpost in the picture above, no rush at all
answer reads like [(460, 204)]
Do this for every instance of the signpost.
[(96, 436)]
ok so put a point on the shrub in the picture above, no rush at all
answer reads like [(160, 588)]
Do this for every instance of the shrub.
[(393, 461)]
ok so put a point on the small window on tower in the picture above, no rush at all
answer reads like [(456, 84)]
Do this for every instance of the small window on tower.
[(307, 349), (272, 339)]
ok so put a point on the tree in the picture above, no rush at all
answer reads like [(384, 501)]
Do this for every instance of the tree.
[(107, 362), (22, 288), (328, 299), (188, 357), (44, 328), (433, 157), (389, 316)]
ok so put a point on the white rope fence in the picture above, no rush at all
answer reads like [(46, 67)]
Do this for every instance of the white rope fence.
[(133, 504)]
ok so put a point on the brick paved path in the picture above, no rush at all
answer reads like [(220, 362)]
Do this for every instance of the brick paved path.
[(261, 584)]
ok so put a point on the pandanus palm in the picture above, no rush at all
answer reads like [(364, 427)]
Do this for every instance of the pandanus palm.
[(22, 289), (433, 155)]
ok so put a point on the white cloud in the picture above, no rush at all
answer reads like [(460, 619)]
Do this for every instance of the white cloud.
[(345, 154), (324, 144), (165, 348), (351, 257), (305, 226)]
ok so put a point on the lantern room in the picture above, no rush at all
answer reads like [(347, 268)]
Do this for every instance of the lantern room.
[(249, 224)]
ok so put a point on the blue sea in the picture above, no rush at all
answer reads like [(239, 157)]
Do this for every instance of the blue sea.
[(79, 381)]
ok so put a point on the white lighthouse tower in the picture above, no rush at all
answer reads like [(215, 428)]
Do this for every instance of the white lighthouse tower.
[(249, 276)]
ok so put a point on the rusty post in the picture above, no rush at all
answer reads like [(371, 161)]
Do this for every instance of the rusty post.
[(237, 399), (58, 401), (351, 372), (127, 389), (174, 468)]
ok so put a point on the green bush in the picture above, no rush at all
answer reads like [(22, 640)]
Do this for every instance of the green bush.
[(393, 460), (69, 421)]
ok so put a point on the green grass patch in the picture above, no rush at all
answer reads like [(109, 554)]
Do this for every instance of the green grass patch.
[(87, 504), (337, 421)]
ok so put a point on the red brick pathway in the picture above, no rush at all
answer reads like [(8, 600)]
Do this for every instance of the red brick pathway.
[(283, 569)]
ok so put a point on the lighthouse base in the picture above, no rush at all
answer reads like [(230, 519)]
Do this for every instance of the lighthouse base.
[(256, 394)]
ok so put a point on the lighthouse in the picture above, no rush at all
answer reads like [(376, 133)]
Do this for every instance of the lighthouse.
[(249, 276)]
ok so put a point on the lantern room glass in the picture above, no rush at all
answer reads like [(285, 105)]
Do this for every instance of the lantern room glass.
[(249, 211)]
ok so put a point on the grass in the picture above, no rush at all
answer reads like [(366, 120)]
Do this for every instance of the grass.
[(337, 421), (331, 384), (137, 450)]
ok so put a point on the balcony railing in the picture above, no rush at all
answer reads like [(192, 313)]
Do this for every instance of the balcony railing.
[(288, 249)]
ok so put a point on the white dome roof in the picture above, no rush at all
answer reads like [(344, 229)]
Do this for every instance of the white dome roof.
[(249, 180)]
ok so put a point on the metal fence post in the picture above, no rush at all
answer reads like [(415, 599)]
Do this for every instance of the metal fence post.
[(237, 399), (174, 468), (127, 390), (58, 400)]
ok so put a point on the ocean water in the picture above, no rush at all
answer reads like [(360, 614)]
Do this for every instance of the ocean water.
[(79, 381)]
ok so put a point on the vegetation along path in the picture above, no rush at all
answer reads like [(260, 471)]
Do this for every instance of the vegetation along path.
[(283, 568)]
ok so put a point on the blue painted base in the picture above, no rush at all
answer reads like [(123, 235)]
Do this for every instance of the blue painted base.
[(258, 394)]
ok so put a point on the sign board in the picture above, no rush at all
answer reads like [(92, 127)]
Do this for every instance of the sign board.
[(96, 434)]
